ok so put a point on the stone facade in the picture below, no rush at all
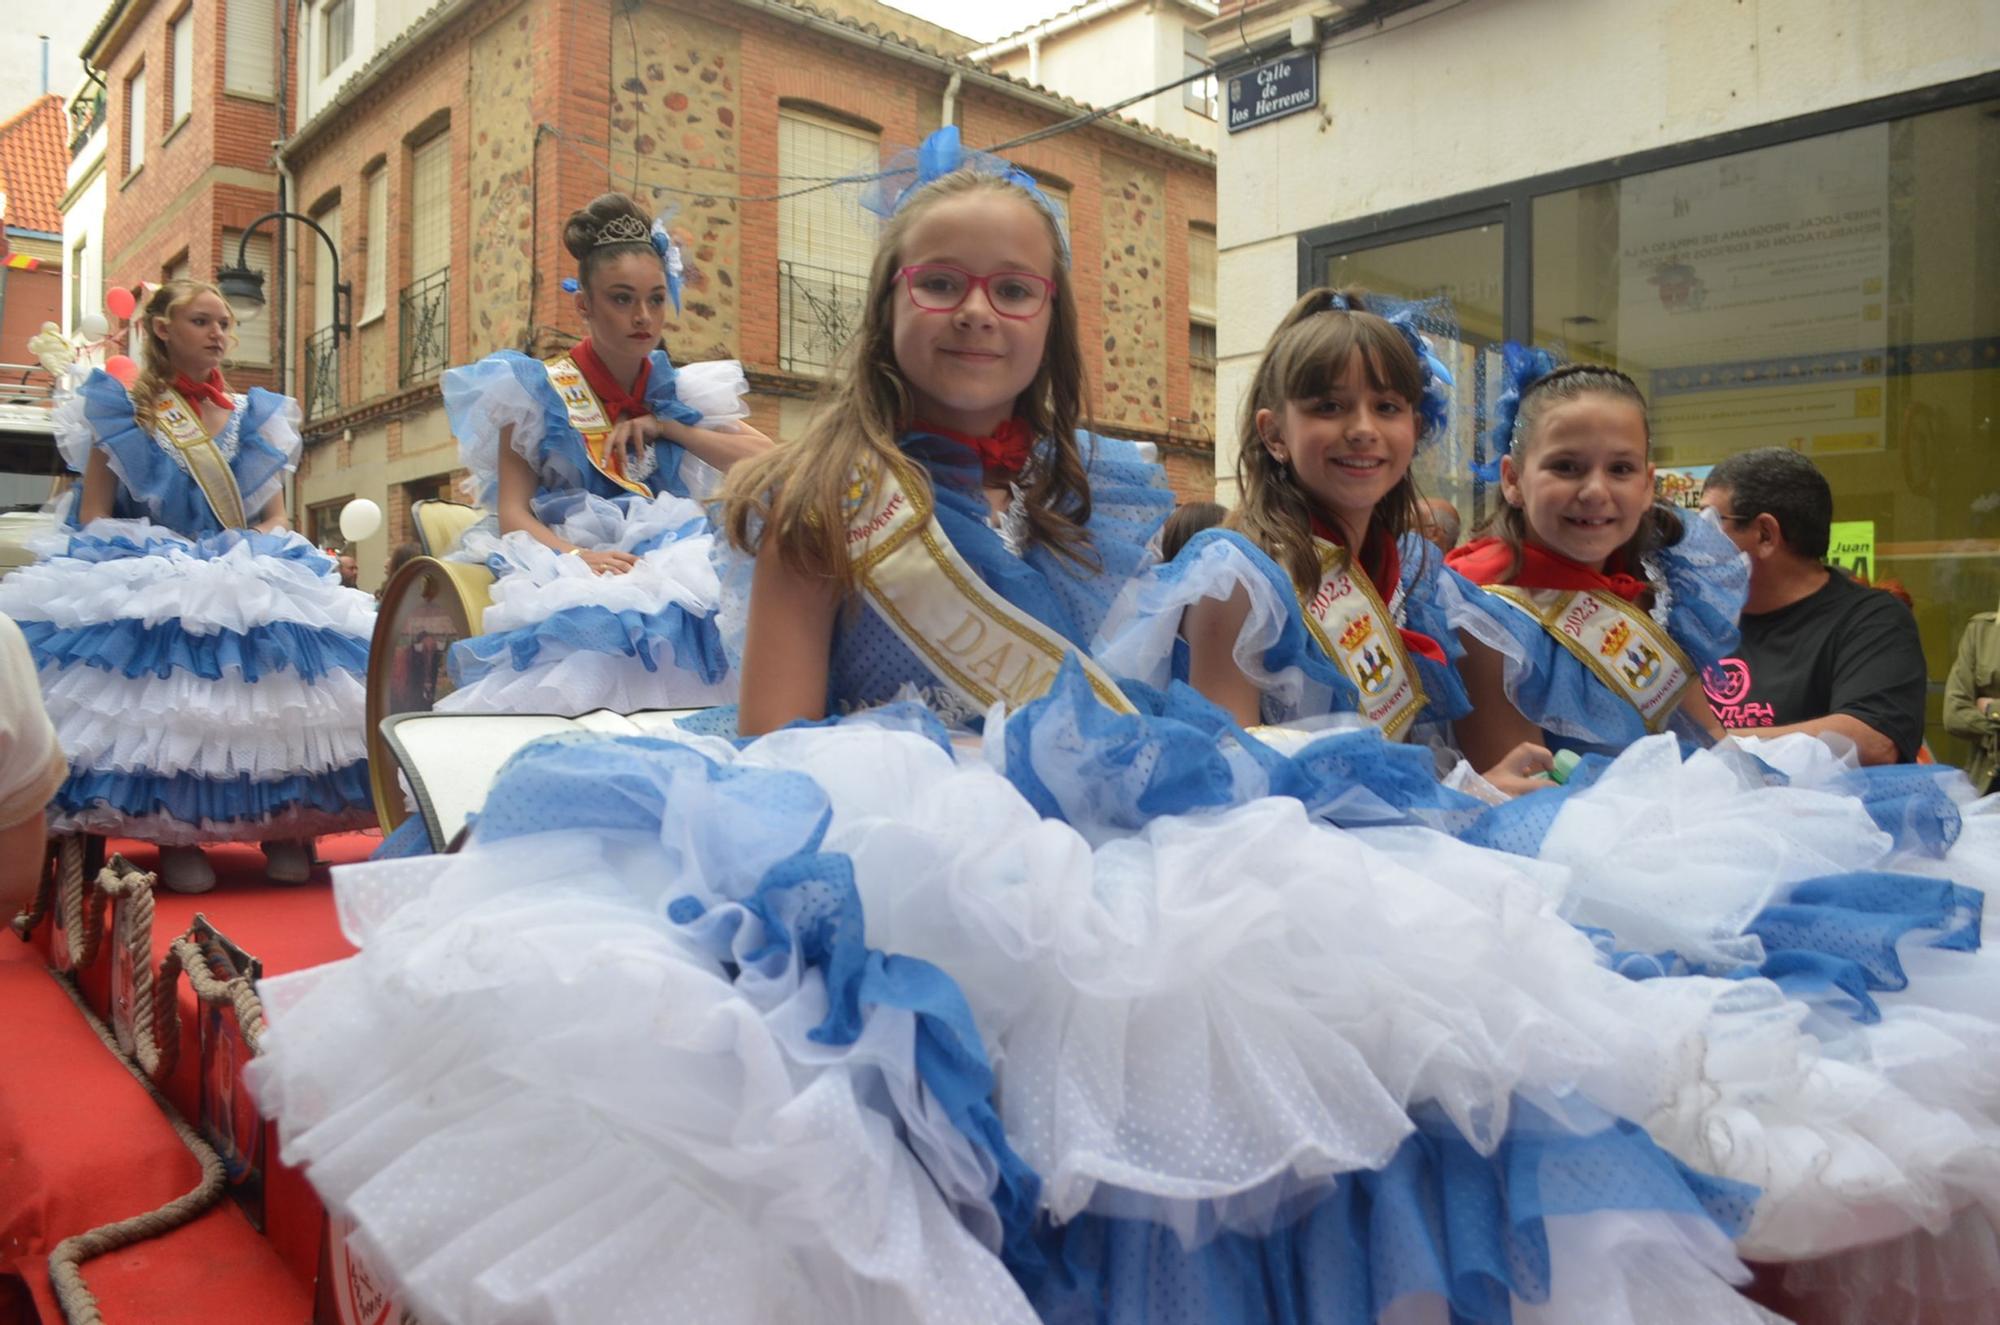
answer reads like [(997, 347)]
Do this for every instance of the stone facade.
[(501, 202), (1134, 294), (551, 103), (674, 146)]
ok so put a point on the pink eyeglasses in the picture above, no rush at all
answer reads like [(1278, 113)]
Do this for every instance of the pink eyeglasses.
[(937, 287)]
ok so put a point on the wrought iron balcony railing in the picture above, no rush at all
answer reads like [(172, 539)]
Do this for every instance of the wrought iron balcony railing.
[(322, 373), (85, 115), (425, 334), (818, 309)]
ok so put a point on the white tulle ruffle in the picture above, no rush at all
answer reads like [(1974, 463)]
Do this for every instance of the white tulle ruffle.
[(180, 723), (718, 1159), (236, 589)]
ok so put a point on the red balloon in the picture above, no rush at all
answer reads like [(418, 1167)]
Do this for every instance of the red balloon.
[(121, 367), (120, 303)]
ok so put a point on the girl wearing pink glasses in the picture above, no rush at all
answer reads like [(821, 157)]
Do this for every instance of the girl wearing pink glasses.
[(946, 523)]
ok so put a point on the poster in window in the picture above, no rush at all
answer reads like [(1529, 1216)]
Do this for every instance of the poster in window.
[(1752, 292)]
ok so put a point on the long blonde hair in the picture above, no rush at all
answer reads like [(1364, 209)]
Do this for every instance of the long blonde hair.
[(1305, 359), (799, 491), (158, 373)]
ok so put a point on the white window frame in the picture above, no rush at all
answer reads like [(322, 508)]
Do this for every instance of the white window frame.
[(336, 32)]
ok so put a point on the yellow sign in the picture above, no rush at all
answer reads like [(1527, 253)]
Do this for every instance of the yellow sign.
[(1851, 547)]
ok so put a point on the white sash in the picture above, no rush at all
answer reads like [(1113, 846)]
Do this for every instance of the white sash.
[(1621, 645), (981, 646), (1357, 631), (586, 415), (180, 422)]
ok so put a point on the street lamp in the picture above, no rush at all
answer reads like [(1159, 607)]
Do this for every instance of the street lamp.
[(244, 288)]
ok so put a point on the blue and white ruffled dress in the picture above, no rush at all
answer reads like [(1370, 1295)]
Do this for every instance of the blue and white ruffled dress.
[(206, 684), (1700, 584), (1141, 640), (1094, 1022), (1085, 1025), (558, 638)]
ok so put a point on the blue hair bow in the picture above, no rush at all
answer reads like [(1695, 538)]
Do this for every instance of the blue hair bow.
[(1434, 409), (939, 155), (1521, 367), (670, 259)]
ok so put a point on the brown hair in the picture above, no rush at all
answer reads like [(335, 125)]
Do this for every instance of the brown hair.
[(1305, 359), (798, 492), (584, 228), (1187, 520), (1660, 527), (158, 373)]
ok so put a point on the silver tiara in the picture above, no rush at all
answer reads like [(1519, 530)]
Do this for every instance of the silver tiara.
[(624, 228)]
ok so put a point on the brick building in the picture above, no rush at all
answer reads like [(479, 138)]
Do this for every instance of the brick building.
[(445, 162), (194, 102), (34, 155)]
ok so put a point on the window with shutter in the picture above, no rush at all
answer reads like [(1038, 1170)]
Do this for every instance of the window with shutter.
[(182, 71), (135, 120), (376, 297), (826, 241), (1201, 273), (250, 62), (430, 207), (323, 300)]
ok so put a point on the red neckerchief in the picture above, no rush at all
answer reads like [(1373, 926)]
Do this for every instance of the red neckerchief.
[(214, 390), (1005, 452), (618, 403), (1383, 565), (1485, 561)]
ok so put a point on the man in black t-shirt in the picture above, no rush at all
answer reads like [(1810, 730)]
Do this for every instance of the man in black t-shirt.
[(1820, 653)]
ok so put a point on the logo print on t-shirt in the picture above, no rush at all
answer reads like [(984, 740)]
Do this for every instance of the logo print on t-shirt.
[(1727, 685), (1727, 682)]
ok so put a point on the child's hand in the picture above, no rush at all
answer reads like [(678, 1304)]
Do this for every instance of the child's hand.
[(606, 562), (1522, 770), (633, 436)]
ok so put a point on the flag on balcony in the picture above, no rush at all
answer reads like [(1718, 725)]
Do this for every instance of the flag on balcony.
[(22, 262)]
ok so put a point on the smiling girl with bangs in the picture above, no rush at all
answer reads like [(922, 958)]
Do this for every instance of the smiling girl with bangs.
[(1318, 596), (948, 527)]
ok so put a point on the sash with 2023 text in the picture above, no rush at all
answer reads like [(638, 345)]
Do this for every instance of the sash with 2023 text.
[(1357, 631), (1621, 645)]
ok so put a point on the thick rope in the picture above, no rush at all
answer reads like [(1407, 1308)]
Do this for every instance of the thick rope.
[(238, 992), (25, 923), (79, 1304), (156, 1020)]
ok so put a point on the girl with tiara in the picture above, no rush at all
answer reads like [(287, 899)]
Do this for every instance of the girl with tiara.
[(595, 462), (202, 662), (1318, 595), (857, 1021)]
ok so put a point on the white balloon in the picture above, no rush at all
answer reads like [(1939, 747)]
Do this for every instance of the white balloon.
[(93, 325), (360, 519)]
